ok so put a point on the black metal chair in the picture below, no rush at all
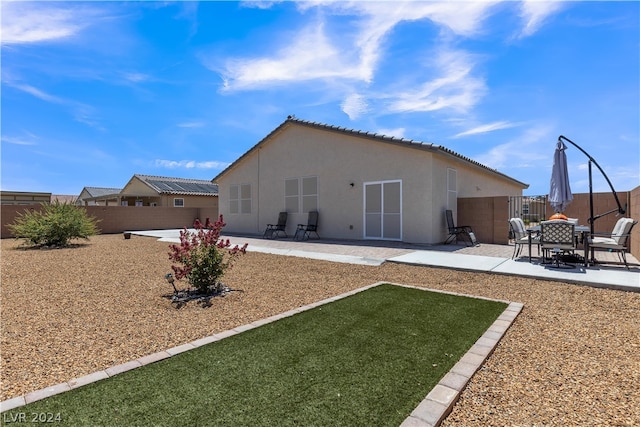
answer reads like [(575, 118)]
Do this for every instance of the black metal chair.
[(273, 229), (304, 231), (463, 231)]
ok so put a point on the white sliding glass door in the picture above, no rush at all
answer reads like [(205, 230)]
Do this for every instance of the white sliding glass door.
[(383, 210)]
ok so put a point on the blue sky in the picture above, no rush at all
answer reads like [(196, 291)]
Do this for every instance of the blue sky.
[(94, 92)]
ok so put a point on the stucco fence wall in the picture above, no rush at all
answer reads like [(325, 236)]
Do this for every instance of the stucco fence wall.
[(116, 219), (488, 216)]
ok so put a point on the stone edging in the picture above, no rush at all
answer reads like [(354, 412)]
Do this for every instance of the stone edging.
[(430, 412)]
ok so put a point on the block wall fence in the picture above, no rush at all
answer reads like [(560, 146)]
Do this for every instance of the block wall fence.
[(489, 216), (116, 219)]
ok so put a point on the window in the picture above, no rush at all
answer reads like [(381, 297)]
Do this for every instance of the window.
[(124, 203), (301, 194), (178, 203), (139, 203), (240, 199), (291, 192)]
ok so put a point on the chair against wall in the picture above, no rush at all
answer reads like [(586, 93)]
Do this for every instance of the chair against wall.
[(304, 231), (463, 231), (616, 241), (558, 238), (521, 237), (272, 230)]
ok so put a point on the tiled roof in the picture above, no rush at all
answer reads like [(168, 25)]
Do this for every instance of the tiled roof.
[(102, 191), (375, 136), (63, 198), (184, 186)]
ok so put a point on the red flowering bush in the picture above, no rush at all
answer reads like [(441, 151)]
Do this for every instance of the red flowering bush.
[(203, 256)]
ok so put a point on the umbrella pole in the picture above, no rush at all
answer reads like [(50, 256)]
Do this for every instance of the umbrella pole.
[(621, 210), (593, 218), (592, 221)]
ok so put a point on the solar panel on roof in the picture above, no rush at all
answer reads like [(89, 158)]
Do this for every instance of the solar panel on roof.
[(183, 187)]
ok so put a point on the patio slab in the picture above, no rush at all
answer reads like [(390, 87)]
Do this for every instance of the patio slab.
[(611, 278), (450, 260)]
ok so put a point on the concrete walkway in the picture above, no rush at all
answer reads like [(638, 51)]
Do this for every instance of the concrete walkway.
[(483, 258)]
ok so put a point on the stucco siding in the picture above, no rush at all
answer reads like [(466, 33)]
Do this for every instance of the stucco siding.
[(339, 160), (189, 201), (135, 187), (472, 182)]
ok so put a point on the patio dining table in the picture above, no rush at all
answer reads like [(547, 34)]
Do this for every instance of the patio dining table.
[(579, 231)]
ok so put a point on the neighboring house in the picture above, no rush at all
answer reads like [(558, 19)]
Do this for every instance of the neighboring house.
[(63, 198), (99, 196), (24, 198), (365, 185), (146, 190)]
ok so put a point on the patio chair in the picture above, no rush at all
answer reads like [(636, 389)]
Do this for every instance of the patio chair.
[(616, 241), (463, 231), (521, 237), (273, 229), (557, 237), (304, 230)]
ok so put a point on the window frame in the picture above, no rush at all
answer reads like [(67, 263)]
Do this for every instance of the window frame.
[(239, 202), (300, 195)]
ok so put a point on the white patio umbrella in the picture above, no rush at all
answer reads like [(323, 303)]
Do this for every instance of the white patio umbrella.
[(560, 193)]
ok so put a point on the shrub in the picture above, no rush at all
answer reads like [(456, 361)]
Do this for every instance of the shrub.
[(203, 255), (55, 224)]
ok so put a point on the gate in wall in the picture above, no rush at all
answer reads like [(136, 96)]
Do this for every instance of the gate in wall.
[(532, 209)]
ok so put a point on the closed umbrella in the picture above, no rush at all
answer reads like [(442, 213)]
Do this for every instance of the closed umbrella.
[(560, 193)]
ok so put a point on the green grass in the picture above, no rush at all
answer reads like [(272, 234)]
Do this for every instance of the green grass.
[(368, 359)]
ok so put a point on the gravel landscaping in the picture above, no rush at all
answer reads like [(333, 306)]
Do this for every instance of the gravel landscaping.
[(572, 357)]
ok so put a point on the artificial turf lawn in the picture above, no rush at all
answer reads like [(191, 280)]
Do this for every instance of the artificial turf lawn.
[(367, 359)]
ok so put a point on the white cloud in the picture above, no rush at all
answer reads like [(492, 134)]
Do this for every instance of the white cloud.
[(135, 77), (522, 151), (33, 22), (17, 140), (190, 164), (350, 61), (82, 113), (489, 127), (454, 87), (191, 124), (34, 91), (354, 106), (535, 12), (310, 54)]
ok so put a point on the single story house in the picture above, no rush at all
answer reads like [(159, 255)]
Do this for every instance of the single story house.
[(24, 197), (146, 190), (99, 196), (364, 185)]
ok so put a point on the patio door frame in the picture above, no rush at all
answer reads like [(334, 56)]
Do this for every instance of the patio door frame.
[(381, 211)]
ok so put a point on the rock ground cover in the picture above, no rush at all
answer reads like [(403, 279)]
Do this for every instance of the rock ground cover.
[(571, 358)]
